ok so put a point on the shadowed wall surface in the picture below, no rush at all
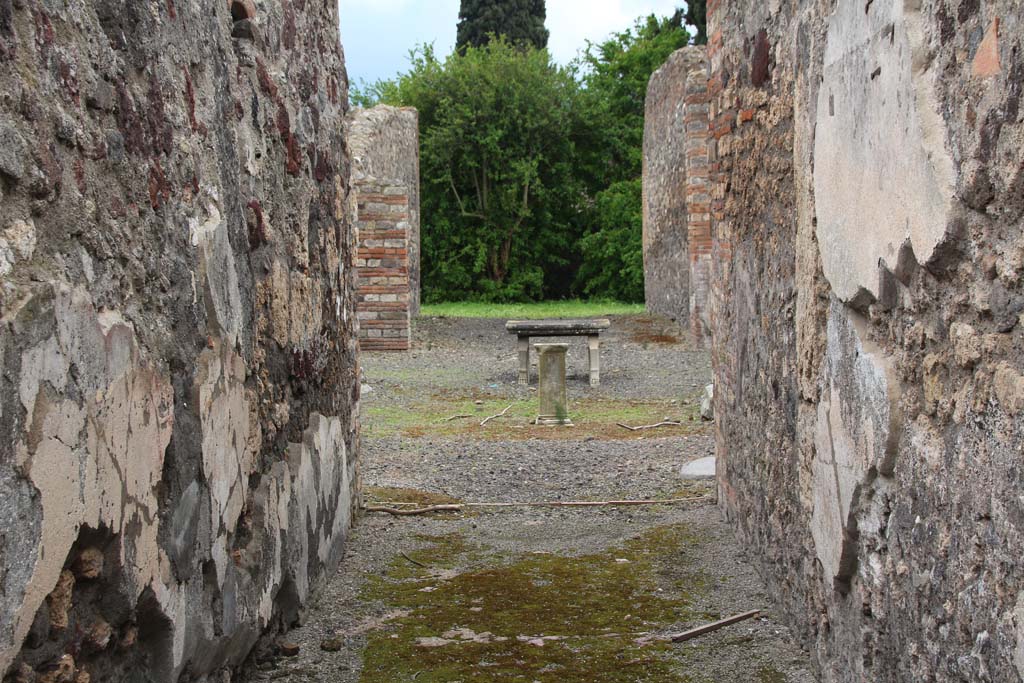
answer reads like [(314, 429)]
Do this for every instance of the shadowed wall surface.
[(867, 330), (178, 395)]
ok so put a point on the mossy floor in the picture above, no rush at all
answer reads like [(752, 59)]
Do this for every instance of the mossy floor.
[(543, 617), (536, 594)]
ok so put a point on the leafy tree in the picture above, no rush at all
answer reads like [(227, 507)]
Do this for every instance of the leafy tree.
[(613, 263), (611, 156), (499, 191), (531, 173), (697, 16), (617, 72), (519, 21)]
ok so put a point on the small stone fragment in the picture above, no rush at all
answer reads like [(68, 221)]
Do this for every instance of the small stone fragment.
[(21, 237), (12, 152), (244, 30), (966, 344), (289, 649), (1009, 388), (707, 403), (332, 644), (102, 98), (100, 634), (89, 564), (25, 674), (986, 60), (63, 673), (60, 601), (128, 637)]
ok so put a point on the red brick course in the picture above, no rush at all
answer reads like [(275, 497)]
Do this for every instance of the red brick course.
[(383, 290)]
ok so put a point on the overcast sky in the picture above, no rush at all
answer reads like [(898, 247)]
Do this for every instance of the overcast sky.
[(378, 34)]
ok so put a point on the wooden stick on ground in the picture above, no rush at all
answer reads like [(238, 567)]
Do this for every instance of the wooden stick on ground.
[(453, 418), (660, 424), (417, 511), (394, 509), (418, 564), (501, 414), (711, 628)]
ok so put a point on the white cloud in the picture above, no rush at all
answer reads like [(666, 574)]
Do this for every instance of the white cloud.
[(376, 6), (573, 22), (378, 34)]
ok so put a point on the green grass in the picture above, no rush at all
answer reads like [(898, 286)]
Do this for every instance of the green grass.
[(545, 309)]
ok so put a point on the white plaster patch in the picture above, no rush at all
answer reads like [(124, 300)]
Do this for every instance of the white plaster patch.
[(17, 243), (320, 480), (44, 362), (855, 437), (219, 278), (228, 455), (94, 462), (882, 173)]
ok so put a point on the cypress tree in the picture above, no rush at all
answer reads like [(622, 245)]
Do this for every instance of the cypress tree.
[(521, 21), (697, 15)]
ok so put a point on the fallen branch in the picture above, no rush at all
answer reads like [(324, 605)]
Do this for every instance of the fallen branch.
[(409, 513), (457, 417), (711, 628), (396, 508), (660, 424), (418, 564), (501, 414)]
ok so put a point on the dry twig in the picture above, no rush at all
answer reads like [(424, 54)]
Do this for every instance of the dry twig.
[(396, 509), (660, 424), (457, 417), (501, 414), (711, 628), (417, 511), (418, 564)]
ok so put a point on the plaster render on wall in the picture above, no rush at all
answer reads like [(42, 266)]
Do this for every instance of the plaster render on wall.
[(883, 176)]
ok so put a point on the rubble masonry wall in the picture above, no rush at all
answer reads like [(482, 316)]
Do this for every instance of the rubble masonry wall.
[(178, 393), (868, 343)]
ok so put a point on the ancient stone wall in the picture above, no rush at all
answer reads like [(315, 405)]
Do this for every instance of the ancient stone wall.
[(867, 331), (178, 389), (383, 293), (385, 146), (666, 283), (677, 224)]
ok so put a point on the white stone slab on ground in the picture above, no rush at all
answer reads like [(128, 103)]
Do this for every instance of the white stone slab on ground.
[(699, 469)]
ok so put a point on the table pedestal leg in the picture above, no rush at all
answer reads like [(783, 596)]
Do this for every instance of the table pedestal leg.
[(524, 361), (594, 353)]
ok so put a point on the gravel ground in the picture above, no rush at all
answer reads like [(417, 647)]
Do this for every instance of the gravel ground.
[(537, 594)]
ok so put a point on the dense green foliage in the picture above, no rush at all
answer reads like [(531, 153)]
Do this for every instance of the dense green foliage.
[(499, 190), (613, 262), (531, 172), (565, 308), (521, 22), (615, 90)]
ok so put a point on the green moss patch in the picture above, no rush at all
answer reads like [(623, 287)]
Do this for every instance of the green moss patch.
[(454, 415), (540, 617)]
